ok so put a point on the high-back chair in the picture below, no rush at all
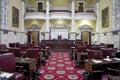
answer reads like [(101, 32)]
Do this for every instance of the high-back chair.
[(7, 63), (33, 53), (111, 52), (24, 47), (81, 49), (38, 47), (3, 47), (94, 54), (16, 51)]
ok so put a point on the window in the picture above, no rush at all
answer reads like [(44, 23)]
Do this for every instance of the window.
[(80, 7), (40, 6)]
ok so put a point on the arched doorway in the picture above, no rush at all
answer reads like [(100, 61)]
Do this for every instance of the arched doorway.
[(33, 34)]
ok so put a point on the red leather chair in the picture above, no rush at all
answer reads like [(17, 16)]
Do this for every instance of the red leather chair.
[(38, 47), (24, 47), (43, 46), (16, 51), (94, 47), (33, 53), (88, 46), (94, 54), (3, 47), (81, 49), (7, 63), (109, 52)]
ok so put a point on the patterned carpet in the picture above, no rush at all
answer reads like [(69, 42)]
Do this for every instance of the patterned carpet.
[(60, 67)]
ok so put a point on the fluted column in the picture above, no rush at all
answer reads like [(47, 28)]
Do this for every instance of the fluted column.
[(47, 16), (23, 12), (73, 17)]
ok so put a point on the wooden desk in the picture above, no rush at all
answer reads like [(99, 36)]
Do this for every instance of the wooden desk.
[(29, 64), (6, 76), (93, 66), (114, 77), (3, 51)]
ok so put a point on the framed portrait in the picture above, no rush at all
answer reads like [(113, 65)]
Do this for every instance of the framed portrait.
[(15, 17), (105, 17)]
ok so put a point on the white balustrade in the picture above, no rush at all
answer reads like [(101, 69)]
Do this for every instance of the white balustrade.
[(85, 15), (63, 15), (35, 15)]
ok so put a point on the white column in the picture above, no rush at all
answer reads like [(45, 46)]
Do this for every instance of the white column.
[(2, 14), (47, 16), (97, 35), (97, 21), (23, 12), (73, 17), (6, 14), (113, 15)]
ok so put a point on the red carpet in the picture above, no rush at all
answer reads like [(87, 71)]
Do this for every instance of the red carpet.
[(60, 67)]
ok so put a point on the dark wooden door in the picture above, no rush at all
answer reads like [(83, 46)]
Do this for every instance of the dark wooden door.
[(29, 37), (86, 37), (33, 36)]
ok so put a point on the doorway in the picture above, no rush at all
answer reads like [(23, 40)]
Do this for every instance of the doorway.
[(33, 37), (86, 37), (80, 7), (40, 7)]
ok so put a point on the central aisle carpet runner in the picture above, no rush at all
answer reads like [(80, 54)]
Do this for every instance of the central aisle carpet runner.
[(60, 67)]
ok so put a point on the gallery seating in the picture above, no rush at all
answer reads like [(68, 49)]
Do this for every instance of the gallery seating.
[(7, 63)]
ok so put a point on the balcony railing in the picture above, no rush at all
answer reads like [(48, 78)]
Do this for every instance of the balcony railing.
[(35, 15), (85, 15), (59, 14), (64, 14)]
